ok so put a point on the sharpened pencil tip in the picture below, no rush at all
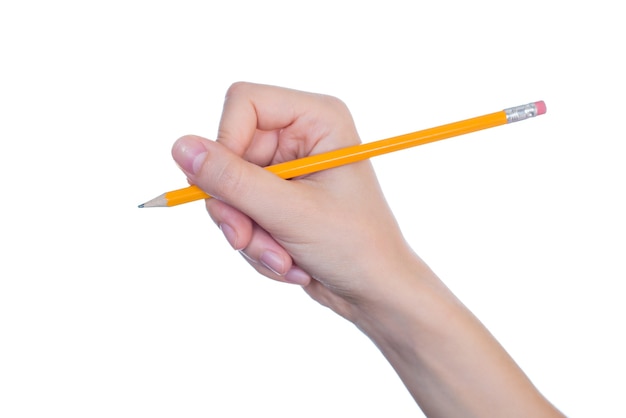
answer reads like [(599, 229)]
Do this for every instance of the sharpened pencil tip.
[(156, 202)]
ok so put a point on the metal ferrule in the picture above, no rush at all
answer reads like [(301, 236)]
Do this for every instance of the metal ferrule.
[(517, 113)]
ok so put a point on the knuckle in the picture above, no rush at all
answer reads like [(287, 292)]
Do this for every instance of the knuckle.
[(335, 105), (236, 89)]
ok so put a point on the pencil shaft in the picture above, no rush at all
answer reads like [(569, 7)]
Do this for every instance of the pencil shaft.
[(348, 155), (343, 156)]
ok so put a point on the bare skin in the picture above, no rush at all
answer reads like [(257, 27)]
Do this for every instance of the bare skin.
[(325, 241)]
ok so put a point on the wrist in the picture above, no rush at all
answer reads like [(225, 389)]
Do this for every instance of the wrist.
[(408, 302)]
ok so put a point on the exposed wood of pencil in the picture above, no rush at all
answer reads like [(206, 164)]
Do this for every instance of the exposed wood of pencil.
[(348, 155)]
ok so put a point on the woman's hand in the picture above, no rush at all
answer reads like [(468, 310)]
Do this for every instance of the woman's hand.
[(332, 231)]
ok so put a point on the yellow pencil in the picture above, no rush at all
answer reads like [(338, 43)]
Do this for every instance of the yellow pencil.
[(324, 161)]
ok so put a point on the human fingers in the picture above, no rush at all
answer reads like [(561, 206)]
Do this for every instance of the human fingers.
[(271, 260), (257, 246), (268, 125), (327, 225), (325, 221), (245, 186), (236, 226)]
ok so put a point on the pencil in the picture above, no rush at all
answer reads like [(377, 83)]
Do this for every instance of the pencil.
[(343, 156)]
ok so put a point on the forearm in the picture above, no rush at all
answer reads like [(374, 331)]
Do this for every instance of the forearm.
[(449, 362)]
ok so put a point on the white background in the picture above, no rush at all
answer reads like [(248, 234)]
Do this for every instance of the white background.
[(108, 310)]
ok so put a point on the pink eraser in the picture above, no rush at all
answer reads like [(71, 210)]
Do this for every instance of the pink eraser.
[(541, 107)]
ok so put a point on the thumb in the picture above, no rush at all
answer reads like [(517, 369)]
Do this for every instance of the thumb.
[(228, 177)]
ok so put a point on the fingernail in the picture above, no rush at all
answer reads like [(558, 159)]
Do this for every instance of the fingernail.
[(272, 261), (231, 235), (189, 153), (296, 275)]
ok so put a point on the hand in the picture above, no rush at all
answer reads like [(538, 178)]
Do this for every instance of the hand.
[(331, 232)]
